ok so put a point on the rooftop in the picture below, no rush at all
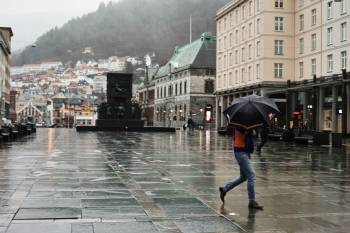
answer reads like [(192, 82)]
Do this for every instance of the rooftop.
[(199, 53)]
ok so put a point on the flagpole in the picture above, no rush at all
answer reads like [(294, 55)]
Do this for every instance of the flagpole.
[(190, 28)]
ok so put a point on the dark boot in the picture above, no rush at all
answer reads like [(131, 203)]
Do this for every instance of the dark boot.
[(222, 194), (255, 205)]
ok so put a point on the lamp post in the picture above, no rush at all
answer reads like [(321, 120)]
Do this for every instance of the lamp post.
[(309, 108)]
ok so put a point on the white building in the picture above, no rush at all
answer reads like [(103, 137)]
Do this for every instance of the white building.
[(276, 48), (100, 84)]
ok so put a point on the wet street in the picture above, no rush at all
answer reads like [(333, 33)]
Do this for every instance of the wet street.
[(61, 181)]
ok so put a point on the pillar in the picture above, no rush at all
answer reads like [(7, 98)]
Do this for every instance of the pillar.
[(218, 112), (223, 107), (334, 109), (320, 104), (345, 100), (348, 108), (305, 103)]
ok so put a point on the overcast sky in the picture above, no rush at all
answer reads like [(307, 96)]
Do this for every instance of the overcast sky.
[(31, 18)]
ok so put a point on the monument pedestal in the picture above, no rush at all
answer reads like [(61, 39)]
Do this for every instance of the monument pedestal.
[(119, 123)]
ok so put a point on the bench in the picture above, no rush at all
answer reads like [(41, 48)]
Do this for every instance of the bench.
[(14, 132), (275, 137), (5, 133), (302, 140)]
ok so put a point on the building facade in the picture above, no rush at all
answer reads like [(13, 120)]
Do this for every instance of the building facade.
[(5, 77), (283, 49), (184, 87), (145, 96)]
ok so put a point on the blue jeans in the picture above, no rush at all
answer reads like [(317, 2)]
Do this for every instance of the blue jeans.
[(247, 173)]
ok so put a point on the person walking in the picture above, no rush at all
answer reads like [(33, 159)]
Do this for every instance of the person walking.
[(190, 124), (264, 133), (243, 146)]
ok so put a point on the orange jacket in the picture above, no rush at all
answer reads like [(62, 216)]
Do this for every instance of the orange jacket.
[(239, 140)]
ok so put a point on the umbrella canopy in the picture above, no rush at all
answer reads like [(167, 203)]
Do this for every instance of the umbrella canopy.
[(251, 111)]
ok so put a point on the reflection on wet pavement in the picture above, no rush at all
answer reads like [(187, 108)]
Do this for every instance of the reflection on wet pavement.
[(63, 181)]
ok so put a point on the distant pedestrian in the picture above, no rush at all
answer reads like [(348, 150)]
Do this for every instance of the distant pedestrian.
[(190, 124), (264, 134), (243, 144)]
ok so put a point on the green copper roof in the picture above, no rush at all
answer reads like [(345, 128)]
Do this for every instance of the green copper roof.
[(200, 52)]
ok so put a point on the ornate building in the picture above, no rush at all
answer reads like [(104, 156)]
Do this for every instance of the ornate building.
[(5, 52)]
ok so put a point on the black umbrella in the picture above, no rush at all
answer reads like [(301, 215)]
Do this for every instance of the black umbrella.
[(251, 111)]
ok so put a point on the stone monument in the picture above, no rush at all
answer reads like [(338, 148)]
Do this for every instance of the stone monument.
[(119, 112)]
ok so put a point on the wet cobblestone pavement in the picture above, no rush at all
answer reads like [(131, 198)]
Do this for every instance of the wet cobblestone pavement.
[(61, 181)]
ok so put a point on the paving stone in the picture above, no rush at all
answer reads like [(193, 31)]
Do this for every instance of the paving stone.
[(5, 219), (82, 228), (129, 227), (111, 202), (114, 213), (40, 228), (207, 225), (48, 213)]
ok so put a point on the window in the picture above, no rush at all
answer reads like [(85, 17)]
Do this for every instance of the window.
[(279, 24), (258, 49), (301, 45), (225, 24), (313, 66), (225, 40), (257, 71), (278, 47), (243, 33), (231, 59), (236, 76), (249, 73), (301, 69), (243, 75), (185, 87), (313, 42), (330, 63), (250, 52), (343, 35), (258, 5), (278, 3), (243, 54), (330, 10), (225, 62), (344, 59), (236, 37), (243, 13), (236, 16), (209, 86), (258, 26), (250, 30), (236, 56), (343, 6), (278, 70), (313, 17), (250, 8), (301, 22), (329, 36)]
